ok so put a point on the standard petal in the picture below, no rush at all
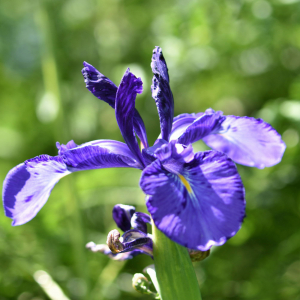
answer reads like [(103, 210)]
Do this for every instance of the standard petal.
[(202, 206), (122, 215), (27, 187), (248, 141), (99, 85), (139, 221), (125, 103), (161, 92), (140, 129), (98, 155), (104, 89)]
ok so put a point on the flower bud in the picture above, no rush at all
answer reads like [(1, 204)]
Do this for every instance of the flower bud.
[(140, 283)]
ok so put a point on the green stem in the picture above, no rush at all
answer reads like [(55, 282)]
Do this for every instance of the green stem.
[(174, 270)]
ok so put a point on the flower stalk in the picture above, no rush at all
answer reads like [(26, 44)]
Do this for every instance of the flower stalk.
[(174, 270)]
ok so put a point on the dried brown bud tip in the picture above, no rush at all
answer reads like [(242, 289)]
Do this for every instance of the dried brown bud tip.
[(113, 241)]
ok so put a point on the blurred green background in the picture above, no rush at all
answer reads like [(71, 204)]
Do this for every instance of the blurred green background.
[(241, 57)]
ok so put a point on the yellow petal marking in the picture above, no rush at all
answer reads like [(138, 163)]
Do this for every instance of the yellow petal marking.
[(185, 183), (141, 146)]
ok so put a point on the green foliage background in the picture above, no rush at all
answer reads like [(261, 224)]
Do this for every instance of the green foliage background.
[(239, 56)]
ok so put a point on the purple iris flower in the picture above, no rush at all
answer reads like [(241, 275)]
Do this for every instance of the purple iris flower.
[(196, 199), (135, 240)]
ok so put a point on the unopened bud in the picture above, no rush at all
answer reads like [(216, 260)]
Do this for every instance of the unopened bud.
[(141, 284)]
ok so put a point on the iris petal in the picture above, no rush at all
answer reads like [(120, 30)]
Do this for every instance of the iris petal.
[(97, 156), (115, 256), (122, 215), (174, 152), (162, 93), (129, 87), (173, 156), (115, 147), (63, 148), (99, 85), (139, 221), (104, 89), (201, 127), (27, 187), (248, 141), (136, 239), (130, 240), (149, 153), (181, 122), (139, 128), (206, 212)]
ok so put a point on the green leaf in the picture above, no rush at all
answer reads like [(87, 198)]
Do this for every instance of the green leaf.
[(174, 270)]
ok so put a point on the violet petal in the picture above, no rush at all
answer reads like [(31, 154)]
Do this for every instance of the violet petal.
[(99, 154), (173, 156), (104, 89), (63, 148), (248, 141), (27, 186), (201, 127), (162, 93), (181, 122), (139, 221), (204, 206), (136, 239), (99, 85), (149, 153), (125, 103), (122, 215), (103, 248)]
